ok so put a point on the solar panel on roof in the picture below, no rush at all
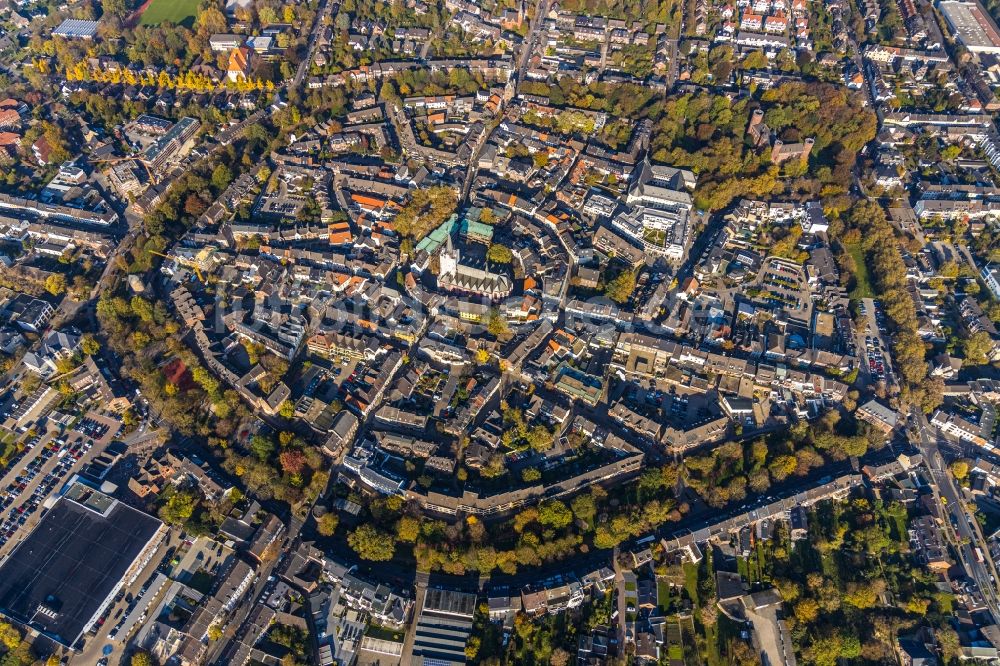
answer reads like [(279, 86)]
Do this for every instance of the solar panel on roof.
[(76, 28)]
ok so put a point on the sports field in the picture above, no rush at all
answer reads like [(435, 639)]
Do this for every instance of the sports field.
[(181, 12)]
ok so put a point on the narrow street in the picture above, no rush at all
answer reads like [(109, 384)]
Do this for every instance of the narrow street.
[(321, 14), (620, 603), (418, 605)]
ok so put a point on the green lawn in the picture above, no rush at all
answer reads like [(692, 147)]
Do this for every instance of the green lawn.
[(759, 562), (829, 566), (181, 12), (675, 641), (662, 593), (376, 631), (742, 568), (863, 288), (655, 236), (712, 655), (691, 582), (899, 531), (7, 451)]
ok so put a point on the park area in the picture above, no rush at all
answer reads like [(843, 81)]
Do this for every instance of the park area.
[(863, 285), (180, 12)]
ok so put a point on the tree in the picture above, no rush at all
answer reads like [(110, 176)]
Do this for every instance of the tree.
[(89, 345), (960, 468), (560, 657), (499, 254), (287, 409), (326, 525), (782, 466), (806, 611), (620, 289), (951, 647), (584, 508), (30, 383), (55, 284), (494, 466), (262, 446), (472, 647), (427, 209), (755, 60), (141, 659), (221, 177), (555, 514), (741, 653), (139, 339), (215, 632), (211, 20), (179, 507), (540, 438), (10, 637), (204, 378), (142, 308), (826, 651), (117, 8), (194, 205), (863, 595), (496, 324), (68, 364), (372, 544), (524, 626), (604, 538), (293, 461), (978, 347), (408, 529)]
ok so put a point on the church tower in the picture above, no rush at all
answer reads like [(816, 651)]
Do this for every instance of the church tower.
[(448, 259)]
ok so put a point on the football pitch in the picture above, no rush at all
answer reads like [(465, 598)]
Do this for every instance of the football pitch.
[(181, 12)]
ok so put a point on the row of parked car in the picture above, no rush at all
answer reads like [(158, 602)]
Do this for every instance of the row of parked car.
[(91, 428), (68, 455)]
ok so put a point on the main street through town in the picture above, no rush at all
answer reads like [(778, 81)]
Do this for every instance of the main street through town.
[(961, 525)]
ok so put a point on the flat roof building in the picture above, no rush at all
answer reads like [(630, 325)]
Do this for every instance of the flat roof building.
[(63, 576), (971, 25), (76, 28), (443, 628)]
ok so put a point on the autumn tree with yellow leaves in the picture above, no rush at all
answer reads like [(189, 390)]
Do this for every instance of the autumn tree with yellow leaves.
[(187, 80)]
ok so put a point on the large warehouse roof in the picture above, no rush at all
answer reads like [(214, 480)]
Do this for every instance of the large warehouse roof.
[(57, 579), (971, 25)]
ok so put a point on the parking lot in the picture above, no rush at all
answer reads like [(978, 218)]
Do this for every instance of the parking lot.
[(47, 462), (38, 478), (876, 358), (783, 284)]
